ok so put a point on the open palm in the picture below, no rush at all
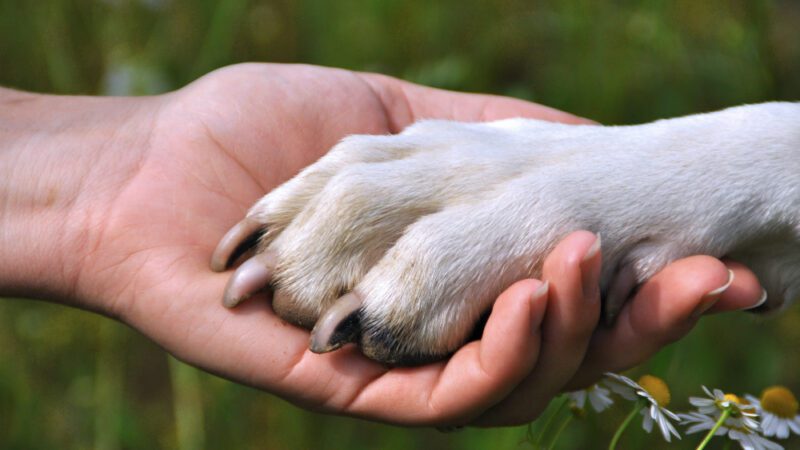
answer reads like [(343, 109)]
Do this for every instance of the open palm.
[(222, 142)]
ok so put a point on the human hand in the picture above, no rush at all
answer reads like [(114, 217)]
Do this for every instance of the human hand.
[(125, 226)]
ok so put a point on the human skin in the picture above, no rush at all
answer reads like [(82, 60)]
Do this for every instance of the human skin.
[(115, 205)]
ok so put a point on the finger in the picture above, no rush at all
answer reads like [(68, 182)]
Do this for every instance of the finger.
[(745, 292), (572, 270), (664, 309), (477, 376), (408, 102)]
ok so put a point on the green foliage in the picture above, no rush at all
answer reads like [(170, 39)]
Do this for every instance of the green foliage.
[(69, 379)]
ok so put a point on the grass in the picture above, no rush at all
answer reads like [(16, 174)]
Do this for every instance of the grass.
[(69, 379)]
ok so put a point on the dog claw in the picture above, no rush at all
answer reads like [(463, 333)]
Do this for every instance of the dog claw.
[(236, 241), (338, 325), (252, 276)]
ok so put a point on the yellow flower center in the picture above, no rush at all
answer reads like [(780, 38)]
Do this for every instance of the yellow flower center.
[(738, 405), (779, 401), (746, 406), (733, 398), (657, 389)]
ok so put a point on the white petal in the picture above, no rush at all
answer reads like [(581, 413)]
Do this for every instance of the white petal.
[(698, 427), (769, 424), (651, 410), (600, 390), (795, 425), (666, 428), (753, 400), (738, 436), (578, 397), (765, 443), (701, 423), (663, 426), (621, 379), (622, 385), (673, 431), (600, 399), (646, 396), (647, 422), (670, 414), (623, 391), (751, 423), (700, 401), (696, 417), (782, 429), (708, 410)]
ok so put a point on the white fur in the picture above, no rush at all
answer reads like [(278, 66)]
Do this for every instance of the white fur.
[(430, 225)]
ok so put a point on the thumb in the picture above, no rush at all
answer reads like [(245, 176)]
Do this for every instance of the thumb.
[(407, 102)]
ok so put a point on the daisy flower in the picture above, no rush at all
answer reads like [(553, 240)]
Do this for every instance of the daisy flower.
[(727, 414), (741, 412), (598, 396), (778, 408), (652, 398)]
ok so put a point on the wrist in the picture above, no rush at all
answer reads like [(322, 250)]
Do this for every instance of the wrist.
[(56, 154)]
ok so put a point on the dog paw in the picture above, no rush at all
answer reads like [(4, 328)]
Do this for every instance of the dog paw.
[(401, 243)]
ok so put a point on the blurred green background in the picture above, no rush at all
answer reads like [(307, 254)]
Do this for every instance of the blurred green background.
[(72, 380)]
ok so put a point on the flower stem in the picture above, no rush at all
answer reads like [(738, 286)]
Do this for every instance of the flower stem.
[(636, 408), (563, 401), (529, 433), (560, 430), (725, 413)]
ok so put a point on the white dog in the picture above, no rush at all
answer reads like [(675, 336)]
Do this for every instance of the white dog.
[(402, 242)]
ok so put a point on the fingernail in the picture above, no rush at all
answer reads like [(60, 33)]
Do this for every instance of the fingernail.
[(593, 250), (590, 273), (759, 303), (711, 298), (538, 295), (541, 291)]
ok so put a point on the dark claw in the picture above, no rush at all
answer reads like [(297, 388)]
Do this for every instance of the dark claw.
[(236, 241), (252, 276), (338, 325)]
